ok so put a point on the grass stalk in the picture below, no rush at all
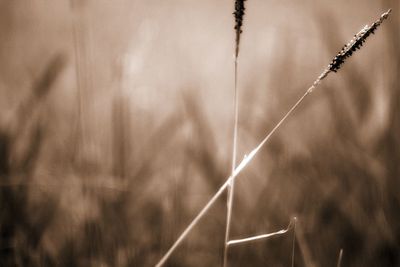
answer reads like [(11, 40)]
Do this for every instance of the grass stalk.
[(334, 66), (294, 240), (239, 12)]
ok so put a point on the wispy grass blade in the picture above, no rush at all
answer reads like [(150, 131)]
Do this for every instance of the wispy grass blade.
[(263, 236)]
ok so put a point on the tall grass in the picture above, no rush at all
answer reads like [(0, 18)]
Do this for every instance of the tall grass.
[(334, 66)]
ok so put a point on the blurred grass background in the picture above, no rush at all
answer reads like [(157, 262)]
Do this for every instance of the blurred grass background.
[(115, 130)]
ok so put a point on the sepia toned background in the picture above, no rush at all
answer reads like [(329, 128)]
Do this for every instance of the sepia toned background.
[(116, 129)]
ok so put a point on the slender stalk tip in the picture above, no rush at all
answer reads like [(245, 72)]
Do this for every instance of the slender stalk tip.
[(386, 14)]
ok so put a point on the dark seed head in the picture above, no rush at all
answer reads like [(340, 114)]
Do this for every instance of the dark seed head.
[(238, 14), (356, 43)]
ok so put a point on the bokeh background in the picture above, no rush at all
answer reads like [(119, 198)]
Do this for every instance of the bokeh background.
[(116, 129)]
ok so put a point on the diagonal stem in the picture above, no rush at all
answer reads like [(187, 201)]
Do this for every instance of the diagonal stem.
[(194, 222)]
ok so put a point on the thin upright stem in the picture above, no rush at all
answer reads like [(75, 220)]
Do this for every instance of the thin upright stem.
[(294, 240), (339, 263), (231, 186), (79, 50)]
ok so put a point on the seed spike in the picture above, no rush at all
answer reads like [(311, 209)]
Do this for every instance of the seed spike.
[(356, 43), (238, 14)]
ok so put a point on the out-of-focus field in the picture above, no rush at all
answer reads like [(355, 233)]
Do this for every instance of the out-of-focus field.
[(116, 129)]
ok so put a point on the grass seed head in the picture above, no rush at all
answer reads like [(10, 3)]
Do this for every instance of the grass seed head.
[(238, 14), (356, 43)]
